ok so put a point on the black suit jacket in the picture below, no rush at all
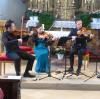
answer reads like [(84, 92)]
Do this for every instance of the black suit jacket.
[(79, 42), (10, 41)]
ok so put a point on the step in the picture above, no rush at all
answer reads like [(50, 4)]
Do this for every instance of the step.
[(65, 84)]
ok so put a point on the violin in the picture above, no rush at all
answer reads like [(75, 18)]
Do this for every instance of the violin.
[(19, 33), (49, 36), (45, 35), (84, 32)]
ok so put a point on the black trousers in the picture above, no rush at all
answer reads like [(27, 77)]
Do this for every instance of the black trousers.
[(16, 56), (80, 53)]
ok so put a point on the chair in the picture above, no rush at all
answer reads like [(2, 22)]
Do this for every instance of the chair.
[(85, 58), (4, 59), (94, 57)]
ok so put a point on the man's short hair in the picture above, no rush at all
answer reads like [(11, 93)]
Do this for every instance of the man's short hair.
[(78, 19), (8, 24)]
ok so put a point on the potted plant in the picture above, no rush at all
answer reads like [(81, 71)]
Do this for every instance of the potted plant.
[(46, 18), (60, 51)]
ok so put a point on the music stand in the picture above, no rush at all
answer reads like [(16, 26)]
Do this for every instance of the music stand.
[(49, 73), (62, 41)]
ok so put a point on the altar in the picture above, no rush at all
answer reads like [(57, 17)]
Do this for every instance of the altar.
[(58, 34), (95, 24), (64, 24)]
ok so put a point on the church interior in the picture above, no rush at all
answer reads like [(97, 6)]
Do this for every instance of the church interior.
[(49, 49)]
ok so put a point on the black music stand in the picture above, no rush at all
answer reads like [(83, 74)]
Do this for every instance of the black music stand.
[(62, 41), (96, 69), (49, 73)]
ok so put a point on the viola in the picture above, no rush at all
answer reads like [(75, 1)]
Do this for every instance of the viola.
[(84, 32)]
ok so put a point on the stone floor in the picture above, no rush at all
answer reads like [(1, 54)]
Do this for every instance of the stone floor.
[(69, 88), (58, 94)]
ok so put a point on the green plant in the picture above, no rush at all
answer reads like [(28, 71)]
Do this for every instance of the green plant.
[(60, 50), (95, 15), (45, 18), (85, 17)]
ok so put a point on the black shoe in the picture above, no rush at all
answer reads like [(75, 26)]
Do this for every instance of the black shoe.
[(29, 75), (98, 76), (17, 74), (78, 72), (70, 70)]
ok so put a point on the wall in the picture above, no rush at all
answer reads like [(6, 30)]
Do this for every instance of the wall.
[(98, 4), (12, 9)]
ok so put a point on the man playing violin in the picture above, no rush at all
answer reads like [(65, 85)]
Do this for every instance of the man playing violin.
[(13, 51), (80, 44)]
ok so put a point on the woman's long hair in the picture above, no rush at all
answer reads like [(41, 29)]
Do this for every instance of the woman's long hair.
[(36, 32)]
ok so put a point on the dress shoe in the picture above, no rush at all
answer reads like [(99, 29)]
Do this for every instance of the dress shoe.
[(78, 72), (18, 74), (98, 76), (29, 75), (70, 70)]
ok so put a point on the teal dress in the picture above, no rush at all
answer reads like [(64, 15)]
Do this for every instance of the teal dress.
[(41, 51)]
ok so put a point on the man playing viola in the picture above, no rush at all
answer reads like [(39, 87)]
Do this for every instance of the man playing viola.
[(80, 44), (13, 51)]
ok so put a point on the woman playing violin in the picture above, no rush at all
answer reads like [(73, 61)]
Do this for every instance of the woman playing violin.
[(41, 50)]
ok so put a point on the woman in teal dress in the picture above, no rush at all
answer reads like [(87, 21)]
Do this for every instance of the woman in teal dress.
[(41, 51)]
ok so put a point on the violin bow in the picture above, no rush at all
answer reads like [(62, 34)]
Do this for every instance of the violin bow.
[(22, 23)]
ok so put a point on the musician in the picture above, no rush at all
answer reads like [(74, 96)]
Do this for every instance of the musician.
[(11, 42), (41, 50), (80, 44)]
